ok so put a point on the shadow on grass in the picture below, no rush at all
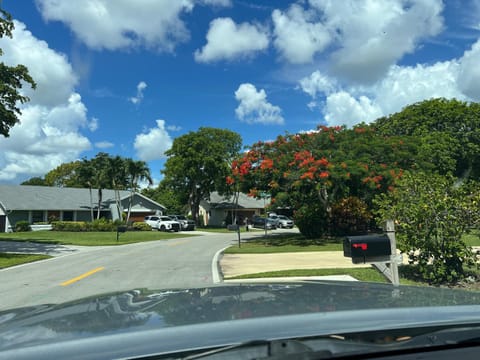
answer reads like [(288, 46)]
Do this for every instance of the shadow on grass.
[(33, 239), (291, 239)]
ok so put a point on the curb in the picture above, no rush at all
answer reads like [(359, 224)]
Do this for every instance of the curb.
[(217, 275)]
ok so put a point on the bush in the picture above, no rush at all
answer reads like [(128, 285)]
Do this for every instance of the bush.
[(350, 216), (432, 212), (103, 225), (312, 221), (21, 226), (69, 226), (141, 226)]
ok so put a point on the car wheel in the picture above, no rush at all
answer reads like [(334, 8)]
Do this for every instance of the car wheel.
[(162, 228)]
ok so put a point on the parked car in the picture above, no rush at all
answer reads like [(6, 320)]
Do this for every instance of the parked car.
[(274, 218), (285, 222), (162, 223), (185, 224), (259, 222)]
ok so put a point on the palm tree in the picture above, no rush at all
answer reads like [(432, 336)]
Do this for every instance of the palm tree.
[(86, 177), (102, 172), (137, 171)]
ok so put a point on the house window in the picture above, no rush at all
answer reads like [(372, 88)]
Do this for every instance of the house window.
[(68, 216), (37, 216)]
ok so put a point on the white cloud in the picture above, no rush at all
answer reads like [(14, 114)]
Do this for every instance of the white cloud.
[(254, 107), (228, 41), (402, 85), (343, 109), (120, 24), (224, 3), (469, 74), (49, 131), (142, 85), (104, 144), (376, 34), (174, 128), (366, 36), (152, 144), (297, 36), (318, 83)]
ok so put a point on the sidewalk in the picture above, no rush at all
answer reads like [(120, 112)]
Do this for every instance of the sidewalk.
[(241, 264)]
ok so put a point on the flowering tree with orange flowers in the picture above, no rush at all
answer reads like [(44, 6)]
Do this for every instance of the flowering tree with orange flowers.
[(309, 172)]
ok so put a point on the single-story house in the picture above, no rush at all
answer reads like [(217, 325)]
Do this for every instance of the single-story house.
[(42, 203), (219, 209)]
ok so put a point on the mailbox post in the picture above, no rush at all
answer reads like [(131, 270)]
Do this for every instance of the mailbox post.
[(367, 248), (380, 250)]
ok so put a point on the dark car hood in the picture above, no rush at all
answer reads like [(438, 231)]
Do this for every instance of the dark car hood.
[(140, 311)]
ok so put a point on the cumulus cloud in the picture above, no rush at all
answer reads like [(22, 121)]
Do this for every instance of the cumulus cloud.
[(366, 37), (104, 144), (469, 72), (104, 24), (152, 144), (227, 41), (402, 85), (254, 107), (297, 36), (50, 129), (142, 85)]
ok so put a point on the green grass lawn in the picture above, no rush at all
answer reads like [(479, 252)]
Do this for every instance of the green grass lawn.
[(362, 274), (7, 260), (285, 243), (90, 238)]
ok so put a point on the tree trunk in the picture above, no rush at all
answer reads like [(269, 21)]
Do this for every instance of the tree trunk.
[(100, 195), (91, 204)]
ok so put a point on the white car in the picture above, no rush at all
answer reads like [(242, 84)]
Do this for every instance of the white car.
[(162, 223), (285, 222)]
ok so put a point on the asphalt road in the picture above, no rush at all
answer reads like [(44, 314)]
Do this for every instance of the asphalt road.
[(79, 272)]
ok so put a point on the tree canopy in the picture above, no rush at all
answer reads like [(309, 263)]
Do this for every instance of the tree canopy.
[(310, 172), (448, 133), (198, 163), (12, 79)]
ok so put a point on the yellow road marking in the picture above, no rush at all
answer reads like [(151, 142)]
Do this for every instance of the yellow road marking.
[(78, 278)]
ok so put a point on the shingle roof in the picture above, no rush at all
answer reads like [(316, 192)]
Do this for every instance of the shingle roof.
[(26, 197), (245, 202)]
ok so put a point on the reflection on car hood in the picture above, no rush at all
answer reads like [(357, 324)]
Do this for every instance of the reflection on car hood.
[(146, 310)]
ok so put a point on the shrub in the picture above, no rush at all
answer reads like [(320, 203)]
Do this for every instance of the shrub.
[(69, 226), (312, 221), (103, 225), (141, 226), (21, 226), (432, 212), (350, 216)]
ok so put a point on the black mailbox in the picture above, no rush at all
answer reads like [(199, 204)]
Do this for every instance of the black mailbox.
[(367, 248)]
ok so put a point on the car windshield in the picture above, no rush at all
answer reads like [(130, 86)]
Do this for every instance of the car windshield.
[(301, 141)]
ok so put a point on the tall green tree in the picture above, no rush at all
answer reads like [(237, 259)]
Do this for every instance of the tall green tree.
[(64, 175), (12, 79), (447, 131), (36, 180), (311, 172), (168, 197), (137, 171), (198, 163)]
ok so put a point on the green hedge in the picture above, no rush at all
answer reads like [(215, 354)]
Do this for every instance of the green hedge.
[(141, 226), (96, 225), (22, 226)]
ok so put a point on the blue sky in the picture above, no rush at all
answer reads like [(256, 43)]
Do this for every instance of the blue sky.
[(128, 77)]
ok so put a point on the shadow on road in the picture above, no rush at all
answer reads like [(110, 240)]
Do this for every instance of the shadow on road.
[(25, 247)]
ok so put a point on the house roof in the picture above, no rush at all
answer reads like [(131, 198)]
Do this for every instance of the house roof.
[(26, 197), (218, 201)]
